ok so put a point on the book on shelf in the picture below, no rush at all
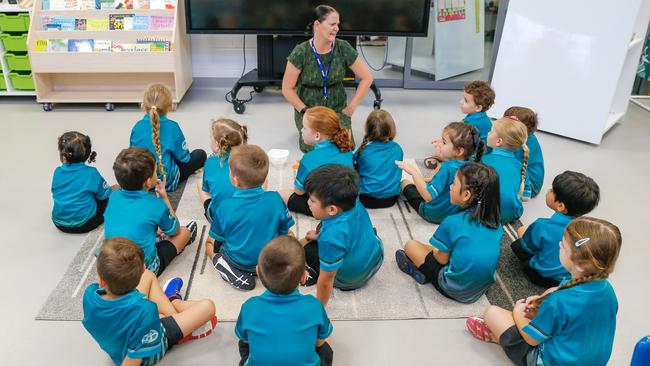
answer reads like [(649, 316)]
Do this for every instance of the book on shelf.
[(58, 23), (102, 45), (97, 24), (120, 21), (61, 5), (140, 22), (40, 45), (162, 4), (80, 24), (161, 22), (81, 45), (140, 4), (57, 45), (155, 44), (130, 47), (106, 4), (89, 4)]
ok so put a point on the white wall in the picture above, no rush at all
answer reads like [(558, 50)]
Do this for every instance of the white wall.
[(220, 55)]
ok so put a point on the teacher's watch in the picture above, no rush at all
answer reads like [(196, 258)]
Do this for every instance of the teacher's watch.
[(304, 109)]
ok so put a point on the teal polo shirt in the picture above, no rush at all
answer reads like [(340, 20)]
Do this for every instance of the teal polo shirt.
[(535, 168), (282, 329), (379, 176), (137, 215), (347, 243), (440, 206), (474, 251), (216, 180), (542, 239), (509, 169), (172, 145), (482, 122), (75, 191), (247, 221), (576, 326), (324, 153)]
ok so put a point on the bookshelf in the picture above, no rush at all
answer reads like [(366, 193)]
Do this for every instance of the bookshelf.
[(9, 89), (108, 77)]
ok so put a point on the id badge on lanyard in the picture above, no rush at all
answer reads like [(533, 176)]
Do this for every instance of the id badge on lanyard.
[(324, 73)]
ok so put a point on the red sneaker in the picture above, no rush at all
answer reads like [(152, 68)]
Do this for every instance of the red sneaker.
[(477, 327), (202, 331)]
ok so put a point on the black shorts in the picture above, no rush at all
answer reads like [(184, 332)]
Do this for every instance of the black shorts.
[(516, 348), (166, 253), (431, 270), (206, 209), (532, 274), (325, 353), (298, 203), (89, 225), (369, 201), (172, 331)]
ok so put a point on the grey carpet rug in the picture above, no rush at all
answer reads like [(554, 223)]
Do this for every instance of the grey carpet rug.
[(390, 294)]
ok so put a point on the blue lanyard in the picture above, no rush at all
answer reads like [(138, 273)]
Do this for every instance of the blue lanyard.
[(320, 65)]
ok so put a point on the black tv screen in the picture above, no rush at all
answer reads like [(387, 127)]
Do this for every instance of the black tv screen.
[(358, 17)]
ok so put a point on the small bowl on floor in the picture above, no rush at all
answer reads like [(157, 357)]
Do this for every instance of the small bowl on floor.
[(278, 157)]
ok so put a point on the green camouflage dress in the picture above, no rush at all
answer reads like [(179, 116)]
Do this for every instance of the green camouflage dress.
[(309, 86)]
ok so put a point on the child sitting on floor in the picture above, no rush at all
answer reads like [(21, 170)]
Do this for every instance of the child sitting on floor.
[(245, 222), (131, 317), (79, 192), (216, 186), (296, 333), (462, 259), (379, 178), (137, 215), (345, 251), (535, 168), (573, 194), (459, 143)]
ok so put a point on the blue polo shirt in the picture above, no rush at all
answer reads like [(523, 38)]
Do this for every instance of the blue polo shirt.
[(246, 222), (473, 256), (324, 152), (535, 169), (75, 190), (282, 329), (137, 215), (440, 206), (172, 145), (216, 180), (509, 169), (347, 243), (378, 174), (576, 326), (542, 239), (126, 326), (481, 121)]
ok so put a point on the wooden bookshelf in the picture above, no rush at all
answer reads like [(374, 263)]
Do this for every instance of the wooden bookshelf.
[(108, 77)]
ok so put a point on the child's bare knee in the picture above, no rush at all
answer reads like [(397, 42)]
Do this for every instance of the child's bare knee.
[(409, 245)]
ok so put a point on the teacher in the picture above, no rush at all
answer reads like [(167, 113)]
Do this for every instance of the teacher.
[(316, 68)]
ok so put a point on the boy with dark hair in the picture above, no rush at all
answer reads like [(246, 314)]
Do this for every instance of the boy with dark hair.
[(344, 251), (131, 317), (573, 195), (137, 215), (296, 333), (244, 223)]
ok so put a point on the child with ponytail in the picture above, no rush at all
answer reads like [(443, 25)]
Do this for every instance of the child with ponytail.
[(459, 143), (573, 324), (80, 193), (216, 186), (164, 138), (506, 137), (535, 170), (463, 253), (379, 177), (332, 145)]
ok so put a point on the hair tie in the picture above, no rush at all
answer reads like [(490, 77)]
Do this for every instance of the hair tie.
[(581, 242), (154, 107), (514, 118)]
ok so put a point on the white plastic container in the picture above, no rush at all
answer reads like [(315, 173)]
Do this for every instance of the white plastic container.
[(278, 156)]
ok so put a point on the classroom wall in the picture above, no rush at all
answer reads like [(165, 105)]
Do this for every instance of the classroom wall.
[(220, 55)]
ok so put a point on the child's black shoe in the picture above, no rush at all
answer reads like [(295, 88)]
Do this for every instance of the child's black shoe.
[(408, 267)]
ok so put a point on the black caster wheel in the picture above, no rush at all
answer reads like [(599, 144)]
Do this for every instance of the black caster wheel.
[(47, 107), (239, 107), (110, 107), (258, 89), (377, 104)]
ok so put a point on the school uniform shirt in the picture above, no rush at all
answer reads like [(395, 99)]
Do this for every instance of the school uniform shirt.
[(137, 215), (481, 121), (324, 152), (172, 145), (576, 326), (75, 189), (535, 169), (542, 239), (247, 221), (126, 326), (509, 169), (282, 329), (473, 256), (378, 174), (440, 205), (347, 243), (216, 180)]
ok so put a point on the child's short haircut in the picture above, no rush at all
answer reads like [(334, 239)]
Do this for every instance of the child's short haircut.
[(482, 93), (250, 164), (75, 147), (579, 193), (120, 264), (281, 264), (133, 166), (334, 184), (525, 115)]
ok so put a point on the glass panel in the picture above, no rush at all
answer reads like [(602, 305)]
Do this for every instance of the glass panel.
[(384, 56)]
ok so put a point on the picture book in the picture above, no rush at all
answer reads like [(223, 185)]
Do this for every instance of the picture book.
[(80, 45), (80, 24), (161, 22), (89, 4), (63, 5), (57, 45), (97, 24), (40, 45), (102, 45), (140, 22), (107, 4), (140, 4)]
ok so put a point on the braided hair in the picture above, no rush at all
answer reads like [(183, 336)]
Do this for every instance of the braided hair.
[(227, 134), (325, 121), (483, 183), (157, 102), (514, 135), (75, 147), (380, 126)]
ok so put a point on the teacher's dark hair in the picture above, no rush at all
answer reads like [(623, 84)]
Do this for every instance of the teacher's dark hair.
[(320, 13)]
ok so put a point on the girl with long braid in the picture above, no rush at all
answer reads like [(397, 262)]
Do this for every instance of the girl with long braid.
[(572, 324), (164, 138)]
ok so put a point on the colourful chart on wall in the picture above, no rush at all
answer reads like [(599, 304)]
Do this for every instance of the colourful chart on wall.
[(450, 10)]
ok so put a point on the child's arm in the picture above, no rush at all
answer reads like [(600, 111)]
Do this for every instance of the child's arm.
[(131, 361), (519, 315), (162, 193), (301, 178), (310, 236), (324, 286), (418, 179)]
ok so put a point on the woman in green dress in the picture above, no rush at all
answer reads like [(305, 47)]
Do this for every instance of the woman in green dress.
[(316, 68)]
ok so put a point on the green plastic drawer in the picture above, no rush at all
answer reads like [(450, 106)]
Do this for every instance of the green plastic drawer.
[(14, 23), (14, 43), (18, 62), (21, 80), (3, 86)]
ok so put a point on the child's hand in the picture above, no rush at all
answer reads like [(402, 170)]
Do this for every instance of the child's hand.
[(311, 235), (407, 167), (160, 187), (291, 234)]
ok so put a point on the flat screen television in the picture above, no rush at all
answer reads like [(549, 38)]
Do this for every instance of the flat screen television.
[(290, 17)]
